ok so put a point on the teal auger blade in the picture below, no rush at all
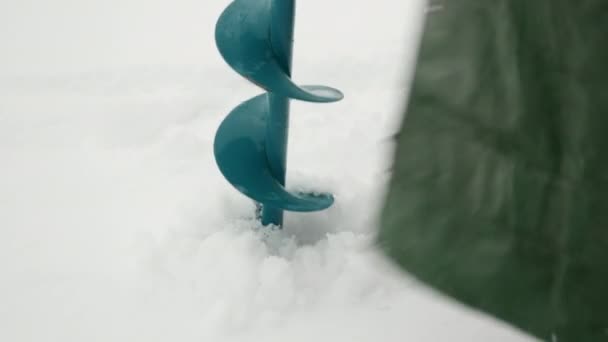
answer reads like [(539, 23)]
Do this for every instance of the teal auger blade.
[(242, 37), (240, 152), (255, 37)]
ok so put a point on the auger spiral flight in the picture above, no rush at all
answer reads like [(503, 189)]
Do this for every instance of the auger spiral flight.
[(255, 37)]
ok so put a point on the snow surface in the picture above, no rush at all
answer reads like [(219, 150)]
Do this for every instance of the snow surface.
[(115, 224)]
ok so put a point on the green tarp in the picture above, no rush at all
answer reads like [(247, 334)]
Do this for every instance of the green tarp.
[(499, 194)]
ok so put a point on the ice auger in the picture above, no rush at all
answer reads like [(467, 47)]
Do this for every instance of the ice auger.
[(255, 37)]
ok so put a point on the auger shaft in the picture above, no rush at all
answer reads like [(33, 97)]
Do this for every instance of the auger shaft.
[(277, 132)]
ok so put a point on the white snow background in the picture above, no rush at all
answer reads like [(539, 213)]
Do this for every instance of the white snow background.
[(115, 223)]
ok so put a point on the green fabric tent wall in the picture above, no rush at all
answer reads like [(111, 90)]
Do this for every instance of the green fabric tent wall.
[(499, 193)]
